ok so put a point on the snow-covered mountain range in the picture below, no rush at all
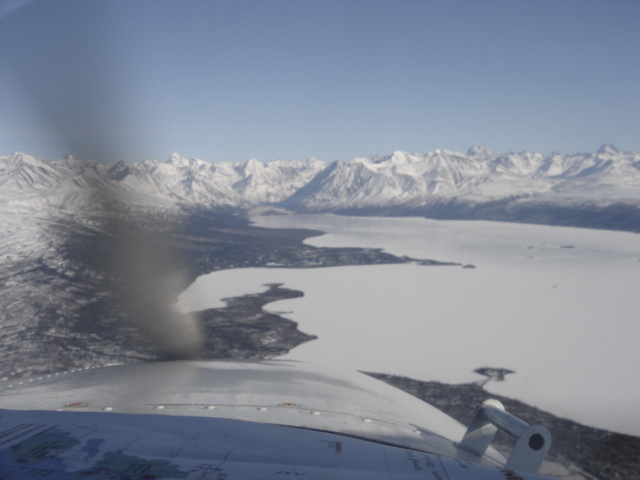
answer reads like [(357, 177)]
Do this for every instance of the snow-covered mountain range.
[(404, 180), (75, 185), (394, 184)]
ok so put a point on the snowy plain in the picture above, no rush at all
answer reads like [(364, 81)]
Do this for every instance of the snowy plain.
[(557, 305)]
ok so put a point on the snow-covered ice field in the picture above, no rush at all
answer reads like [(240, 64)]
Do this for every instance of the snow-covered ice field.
[(564, 319)]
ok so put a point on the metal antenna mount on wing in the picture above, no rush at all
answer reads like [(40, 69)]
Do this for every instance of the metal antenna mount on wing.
[(532, 441)]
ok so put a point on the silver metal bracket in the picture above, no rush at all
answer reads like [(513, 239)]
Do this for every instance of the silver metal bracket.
[(532, 441)]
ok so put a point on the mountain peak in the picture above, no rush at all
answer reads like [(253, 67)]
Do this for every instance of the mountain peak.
[(607, 149), (254, 163), (479, 151), (400, 157), (179, 160), (20, 156), (19, 160)]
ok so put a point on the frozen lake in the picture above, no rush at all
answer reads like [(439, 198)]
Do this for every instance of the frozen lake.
[(559, 306)]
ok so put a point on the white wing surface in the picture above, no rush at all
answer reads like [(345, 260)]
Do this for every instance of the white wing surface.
[(228, 420)]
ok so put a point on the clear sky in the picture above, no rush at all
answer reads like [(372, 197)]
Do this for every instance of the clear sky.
[(292, 79)]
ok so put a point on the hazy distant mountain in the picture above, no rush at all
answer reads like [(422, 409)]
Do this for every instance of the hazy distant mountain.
[(525, 186)]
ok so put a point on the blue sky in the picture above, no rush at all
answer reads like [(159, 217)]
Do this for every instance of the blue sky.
[(292, 79)]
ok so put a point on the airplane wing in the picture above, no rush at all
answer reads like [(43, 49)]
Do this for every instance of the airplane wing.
[(229, 420)]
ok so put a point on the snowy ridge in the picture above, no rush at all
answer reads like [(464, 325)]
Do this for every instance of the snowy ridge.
[(606, 177), (398, 181), (77, 186)]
